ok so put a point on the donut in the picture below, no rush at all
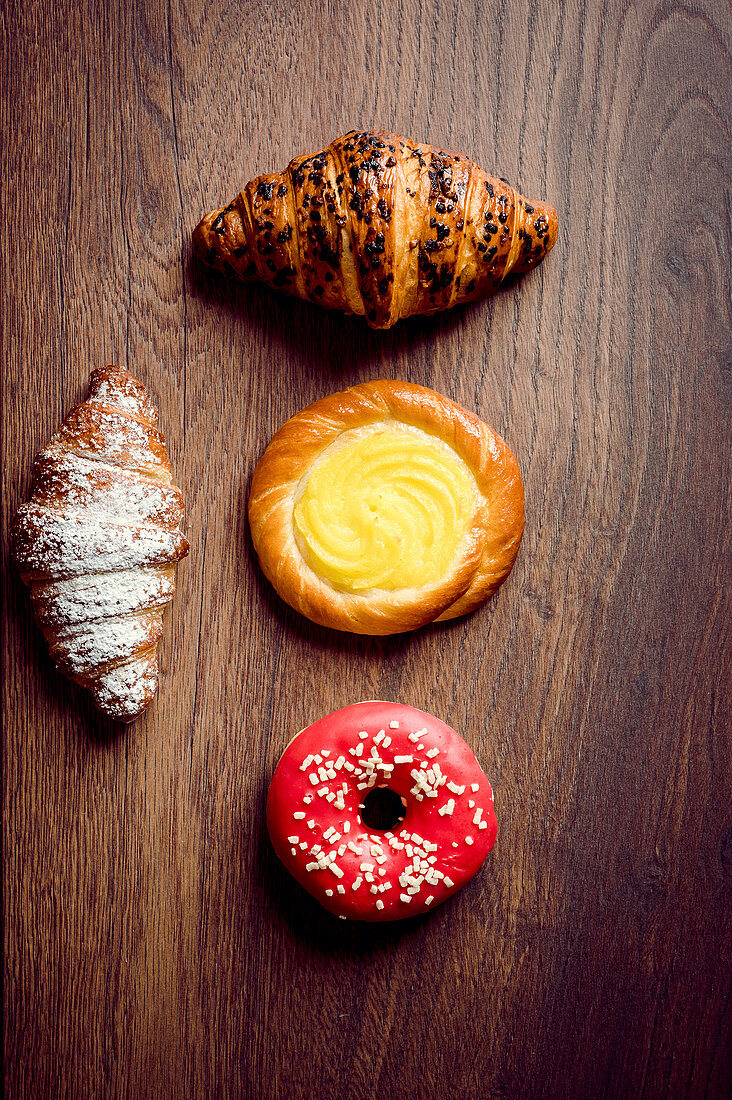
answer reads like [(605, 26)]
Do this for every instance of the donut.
[(380, 811), (386, 507)]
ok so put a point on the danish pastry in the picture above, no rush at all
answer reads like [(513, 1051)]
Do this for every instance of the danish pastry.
[(386, 507)]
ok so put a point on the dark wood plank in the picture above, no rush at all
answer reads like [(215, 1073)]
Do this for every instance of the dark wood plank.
[(152, 944)]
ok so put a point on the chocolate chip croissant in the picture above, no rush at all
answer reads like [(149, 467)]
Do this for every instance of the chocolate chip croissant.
[(98, 543), (380, 226)]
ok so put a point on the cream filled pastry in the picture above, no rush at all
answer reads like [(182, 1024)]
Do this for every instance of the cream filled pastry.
[(386, 507)]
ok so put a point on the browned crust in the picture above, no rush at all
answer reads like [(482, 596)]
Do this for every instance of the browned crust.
[(379, 225), (485, 556)]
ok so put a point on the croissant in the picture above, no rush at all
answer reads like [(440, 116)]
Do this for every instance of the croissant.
[(380, 226), (98, 542)]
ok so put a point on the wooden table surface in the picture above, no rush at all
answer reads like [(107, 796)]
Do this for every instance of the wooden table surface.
[(153, 945)]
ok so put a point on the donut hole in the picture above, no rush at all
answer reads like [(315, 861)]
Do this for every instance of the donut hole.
[(382, 809)]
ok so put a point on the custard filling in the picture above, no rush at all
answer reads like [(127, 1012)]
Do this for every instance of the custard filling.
[(386, 508)]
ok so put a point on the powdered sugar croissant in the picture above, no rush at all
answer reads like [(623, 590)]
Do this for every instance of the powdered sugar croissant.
[(98, 543), (379, 225)]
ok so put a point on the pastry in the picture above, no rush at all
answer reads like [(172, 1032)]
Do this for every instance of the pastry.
[(380, 811), (98, 543), (386, 507), (381, 226)]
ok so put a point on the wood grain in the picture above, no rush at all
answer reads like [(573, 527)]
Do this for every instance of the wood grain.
[(152, 944)]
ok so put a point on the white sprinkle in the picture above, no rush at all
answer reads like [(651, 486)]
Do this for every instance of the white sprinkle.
[(477, 816), (363, 735), (432, 753), (303, 845), (475, 786), (336, 870), (386, 886), (330, 797), (294, 851), (369, 877), (468, 840), (448, 882), (322, 791), (454, 844), (483, 825), (355, 885), (429, 900), (311, 823), (393, 725), (471, 804), (366, 867), (373, 889), (293, 840), (354, 848), (348, 766), (341, 849), (341, 916), (403, 759), (379, 737), (306, 763), (447, 809), (311, 866), (329, 893), (313, 779), (339, 763), (415, 736), (454, 787), (346, 826), (307, 799), (299, 815), (325, 752), (328, 833), (405, 898), (340, 889), (379, 903), (386, 742)]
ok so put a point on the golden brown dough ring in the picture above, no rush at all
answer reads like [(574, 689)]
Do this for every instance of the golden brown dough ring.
[(484, 554)]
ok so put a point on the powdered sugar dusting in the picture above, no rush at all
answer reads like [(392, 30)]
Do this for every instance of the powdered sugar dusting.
[(108, 641), (95, 431), (68, 544), (123, 692), (70, 482), (85, 599), (99, 540)]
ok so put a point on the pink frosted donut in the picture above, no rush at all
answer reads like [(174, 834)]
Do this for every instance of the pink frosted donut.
[(410, 772)]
